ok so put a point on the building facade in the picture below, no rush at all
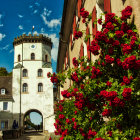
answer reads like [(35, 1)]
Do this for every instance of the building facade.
[(6, 102), (32, 91), (71, 20)]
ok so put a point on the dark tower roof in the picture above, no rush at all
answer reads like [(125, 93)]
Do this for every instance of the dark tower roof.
[(6, 83), (32, 39)]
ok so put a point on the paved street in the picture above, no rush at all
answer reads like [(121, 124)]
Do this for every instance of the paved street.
[(33, 136)]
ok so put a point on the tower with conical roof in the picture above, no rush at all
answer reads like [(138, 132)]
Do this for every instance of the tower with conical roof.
[(32, 90)]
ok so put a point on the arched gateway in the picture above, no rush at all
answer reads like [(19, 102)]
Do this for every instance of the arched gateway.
[(32, 91), (27, 120)]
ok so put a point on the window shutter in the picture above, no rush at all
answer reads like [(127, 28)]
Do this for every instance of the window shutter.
[(94, 26), (107, 6), (74, 24), (88, 43), (79, 7)]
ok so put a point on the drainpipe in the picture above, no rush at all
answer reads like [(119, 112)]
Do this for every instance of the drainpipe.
[(20, 87)]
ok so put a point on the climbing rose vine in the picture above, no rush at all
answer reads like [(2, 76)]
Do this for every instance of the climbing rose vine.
[(103, 101)]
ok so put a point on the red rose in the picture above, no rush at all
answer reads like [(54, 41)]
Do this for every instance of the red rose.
[(110, 133), (137, 66), (109, 59), (61, 116), (116, 43), (110, 26), (91, 134), (131, 33), (75, 112), (75, 62), (105, 31), (100, 21), (127, 94), (106, 112), (118, 62), (54, 78), (77, 34), (111, 50), (74, 77), (61, 108), (73, 119), (99, 139), (68, 121), (65, 94), (124, 27), (94, 48), (126, 80), (108, 83), (100, 36), (119, 34), (126, 13), (48, 74), (136, 138), (109, 17)]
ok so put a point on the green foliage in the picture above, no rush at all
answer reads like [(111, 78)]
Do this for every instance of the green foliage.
[(4, 72)]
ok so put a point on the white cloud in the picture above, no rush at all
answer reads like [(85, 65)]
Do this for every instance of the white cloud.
[(1, 25), (35, 32), (37, 4), (11, 50), (30, 6), (46, 12), (2, 36), (42, 30), (5, 47), (20, 16), (35, 11), (20, 27), (1, 16), (55, 41), (52, 23)]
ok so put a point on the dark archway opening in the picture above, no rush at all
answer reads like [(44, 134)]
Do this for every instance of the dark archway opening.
[(33, 121)]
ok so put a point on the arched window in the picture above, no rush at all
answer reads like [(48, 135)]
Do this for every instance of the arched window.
[(32, 56), (46, 58), (40, 87), (25, 73), (40, 73), (25, 87), (18, 57)]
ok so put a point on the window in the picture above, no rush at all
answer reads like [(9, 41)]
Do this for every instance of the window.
[(32, 56), (25, 87), (18, 57), (25, 73), (40, 87), (40, 73), (3, 91), (5, 105), (4, 124), (46, 58)]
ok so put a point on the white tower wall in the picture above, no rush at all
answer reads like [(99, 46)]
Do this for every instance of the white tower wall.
[(32, 99)]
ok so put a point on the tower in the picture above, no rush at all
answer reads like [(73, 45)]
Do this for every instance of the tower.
[(32, 90)]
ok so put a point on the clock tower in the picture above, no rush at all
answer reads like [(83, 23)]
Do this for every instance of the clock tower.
[(32, 90)]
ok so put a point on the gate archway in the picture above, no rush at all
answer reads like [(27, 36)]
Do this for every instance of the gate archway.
[(29, 124)]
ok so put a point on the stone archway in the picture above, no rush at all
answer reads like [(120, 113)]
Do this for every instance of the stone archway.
[(27, 121)]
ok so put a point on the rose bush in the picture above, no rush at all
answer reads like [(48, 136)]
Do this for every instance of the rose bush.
[(103, 101)]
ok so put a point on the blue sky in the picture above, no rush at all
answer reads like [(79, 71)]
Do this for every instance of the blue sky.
[(18, 17)]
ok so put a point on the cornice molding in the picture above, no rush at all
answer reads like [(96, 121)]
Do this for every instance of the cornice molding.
[(32, 39)]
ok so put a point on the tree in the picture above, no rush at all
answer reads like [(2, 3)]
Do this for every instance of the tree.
[(103, 102), (4, 72)]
